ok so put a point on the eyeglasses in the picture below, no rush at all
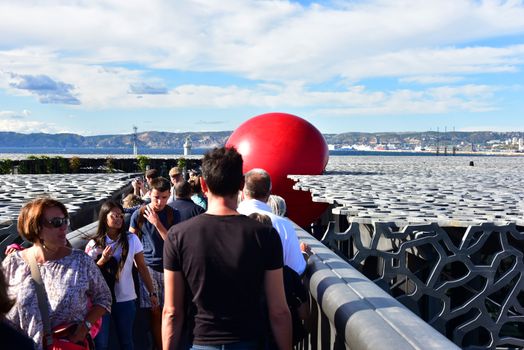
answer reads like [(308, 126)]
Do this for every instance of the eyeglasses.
[(116, 216), (56, 222)]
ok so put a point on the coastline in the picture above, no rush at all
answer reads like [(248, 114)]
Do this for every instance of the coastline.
[(171, 154)]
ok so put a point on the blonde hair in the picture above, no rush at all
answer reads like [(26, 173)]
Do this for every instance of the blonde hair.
[(132, 200)]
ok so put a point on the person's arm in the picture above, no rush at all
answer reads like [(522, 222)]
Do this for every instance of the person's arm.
[(146, 277), (92, 316), (279, 314), (154, 219), (133, 223), (173, 313), (137, 187), (100, 297)]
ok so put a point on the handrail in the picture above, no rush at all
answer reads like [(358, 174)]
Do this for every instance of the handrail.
[(360, 315)]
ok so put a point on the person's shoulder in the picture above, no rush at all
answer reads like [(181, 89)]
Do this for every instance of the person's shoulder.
[(132, 238), (78, 253), (192, 222), (136, 213), (13, 259), (194, 207), (248, 222), (282, 221), (167, 208)]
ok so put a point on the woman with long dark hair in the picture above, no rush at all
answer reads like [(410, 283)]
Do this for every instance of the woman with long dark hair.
[(115, 250)]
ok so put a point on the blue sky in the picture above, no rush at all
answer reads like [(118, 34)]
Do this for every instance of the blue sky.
[(99, 67)]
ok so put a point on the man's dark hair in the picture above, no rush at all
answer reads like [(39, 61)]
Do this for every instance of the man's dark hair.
[(183, 190), (222, 171), (152, 173), (257, 183), (161, 184)]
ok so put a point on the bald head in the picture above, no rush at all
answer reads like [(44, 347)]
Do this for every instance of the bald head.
[(257, 185)]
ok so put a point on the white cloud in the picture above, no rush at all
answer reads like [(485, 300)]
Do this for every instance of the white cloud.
[(283, 45), (14, 121), (14, 115), (467, 98), (28, 126), (431, 79)]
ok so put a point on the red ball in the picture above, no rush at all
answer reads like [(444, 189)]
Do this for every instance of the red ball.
[(284, 144)]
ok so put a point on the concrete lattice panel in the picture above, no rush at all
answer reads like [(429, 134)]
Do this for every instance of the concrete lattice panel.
[(74, 190), (441, 236)]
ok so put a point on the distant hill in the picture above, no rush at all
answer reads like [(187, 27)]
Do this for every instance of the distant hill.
[(169, 140), (149, 139)]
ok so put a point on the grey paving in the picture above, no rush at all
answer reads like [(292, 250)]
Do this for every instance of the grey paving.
[(415, 190)]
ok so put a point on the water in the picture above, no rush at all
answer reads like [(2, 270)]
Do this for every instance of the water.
[(21, 152), (94, 150)]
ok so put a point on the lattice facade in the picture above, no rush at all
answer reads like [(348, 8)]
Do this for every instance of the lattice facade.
[(468, 286)]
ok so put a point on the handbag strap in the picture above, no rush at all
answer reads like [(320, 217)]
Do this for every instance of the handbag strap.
[(41, 296)]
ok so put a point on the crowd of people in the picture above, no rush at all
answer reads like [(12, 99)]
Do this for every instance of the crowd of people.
[(211, 258)]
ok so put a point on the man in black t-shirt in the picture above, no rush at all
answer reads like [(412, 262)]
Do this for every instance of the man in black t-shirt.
[(228, 262)]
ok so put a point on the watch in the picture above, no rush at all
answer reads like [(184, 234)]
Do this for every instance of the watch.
[(88, 324)]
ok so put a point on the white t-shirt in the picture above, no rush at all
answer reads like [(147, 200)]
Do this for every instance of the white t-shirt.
[(291, 246), (124, 287)]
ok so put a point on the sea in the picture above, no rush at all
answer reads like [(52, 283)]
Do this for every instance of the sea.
[(23, 152)]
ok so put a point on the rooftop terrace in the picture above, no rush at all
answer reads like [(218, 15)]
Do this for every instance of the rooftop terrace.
[(411, 190)]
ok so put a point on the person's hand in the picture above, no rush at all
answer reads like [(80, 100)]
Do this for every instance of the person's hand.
[(10, 250), (151, 216), (137, 184), (154, 301), (305, 248), (107, 254), (79, 335)]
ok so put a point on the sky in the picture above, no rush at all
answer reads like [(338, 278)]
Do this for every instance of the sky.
[(95, 67)]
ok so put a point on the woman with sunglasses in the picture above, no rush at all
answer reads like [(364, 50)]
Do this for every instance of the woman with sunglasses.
[(71, 279), (113, 243)]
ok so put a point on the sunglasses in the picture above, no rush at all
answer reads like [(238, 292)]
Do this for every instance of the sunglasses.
[(56, 222), (116, 216)]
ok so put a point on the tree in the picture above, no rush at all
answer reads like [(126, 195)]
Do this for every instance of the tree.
[(110, 166), (142, 162), (6, 166), (74, 164)]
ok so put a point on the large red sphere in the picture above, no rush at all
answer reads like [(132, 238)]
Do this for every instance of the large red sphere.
[(284, 144)]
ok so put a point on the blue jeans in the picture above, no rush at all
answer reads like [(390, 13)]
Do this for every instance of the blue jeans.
[(241, 345), (123, 315)]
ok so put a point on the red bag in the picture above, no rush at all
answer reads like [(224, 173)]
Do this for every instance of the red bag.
[(98, 323), (61, 341)]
